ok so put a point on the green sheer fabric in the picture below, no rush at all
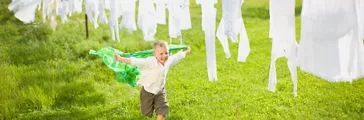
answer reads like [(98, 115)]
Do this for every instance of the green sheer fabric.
[(127, 73)]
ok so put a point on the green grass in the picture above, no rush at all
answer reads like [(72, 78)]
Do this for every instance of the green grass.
[(50, 75)]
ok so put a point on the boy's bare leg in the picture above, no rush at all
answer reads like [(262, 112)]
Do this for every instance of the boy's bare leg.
[(160, 117)]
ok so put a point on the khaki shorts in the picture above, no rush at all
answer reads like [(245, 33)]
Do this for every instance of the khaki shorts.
[(150, 102)]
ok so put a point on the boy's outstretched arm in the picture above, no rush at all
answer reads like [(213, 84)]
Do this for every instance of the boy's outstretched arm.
[(174, 59), (117, 57)]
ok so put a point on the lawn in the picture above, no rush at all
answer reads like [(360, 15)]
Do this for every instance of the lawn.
[(47, 74)]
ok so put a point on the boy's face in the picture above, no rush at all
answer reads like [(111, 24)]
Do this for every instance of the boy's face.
[(161, 53)]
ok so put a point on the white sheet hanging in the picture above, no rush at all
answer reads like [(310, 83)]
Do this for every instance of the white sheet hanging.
[(174, 20), (360, 14), (179, 17), (283, 34), (113, 19), (63, 10), (52, 13), (231, 12), (208, 25), (92, 11), (185, 15), (24, 10), (205, 6), (77, 6), (128, 13), (230, 26), (244, 47), (44, 10), (147, 19), (49, 10), (102, 14), (330, 45), (161, 11), (220, 34)]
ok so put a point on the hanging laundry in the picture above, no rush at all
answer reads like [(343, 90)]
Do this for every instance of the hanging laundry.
[(330, 45), (244, 47), (24, 10), (283, 34), (74, 6), (231, 11), (161, 11), (92, 11), (49, 11), (102, 14), (223, 38), (44, 10), (205, 6), (179, 17), (147, 19), (185, 15), (360, 13), (230, 26), (113, 19), (174, 21), (208, 25), (128, 13), (52, 13), (95, 10), (63, 10)]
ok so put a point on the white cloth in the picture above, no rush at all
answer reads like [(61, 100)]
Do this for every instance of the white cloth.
[(92, 11), (63, 10), (223, 38), (283, 34), (360, 14), (209, 26), (330, 45), (44, 10), (128, 13), (244, 47), (153, 74), (174, 20), (24, 10), (147, 19), (179, 17), (230, 26), (113, 19), (75, 6), (102, 14), (161, 11), (231, 12), (50, 11), (205, 6), (185, 15)]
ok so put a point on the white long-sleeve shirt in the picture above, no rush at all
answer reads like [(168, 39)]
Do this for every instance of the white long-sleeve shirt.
[(153, 73)]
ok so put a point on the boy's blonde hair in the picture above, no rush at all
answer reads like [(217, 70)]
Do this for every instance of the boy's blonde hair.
[(160, 43)]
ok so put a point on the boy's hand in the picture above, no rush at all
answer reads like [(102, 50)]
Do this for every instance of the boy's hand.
[(117, 57), (188, 50)]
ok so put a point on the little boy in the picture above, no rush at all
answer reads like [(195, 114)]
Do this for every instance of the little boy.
[(154, 70)]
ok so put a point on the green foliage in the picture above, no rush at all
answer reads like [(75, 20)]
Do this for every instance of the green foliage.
[(47, 74)]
